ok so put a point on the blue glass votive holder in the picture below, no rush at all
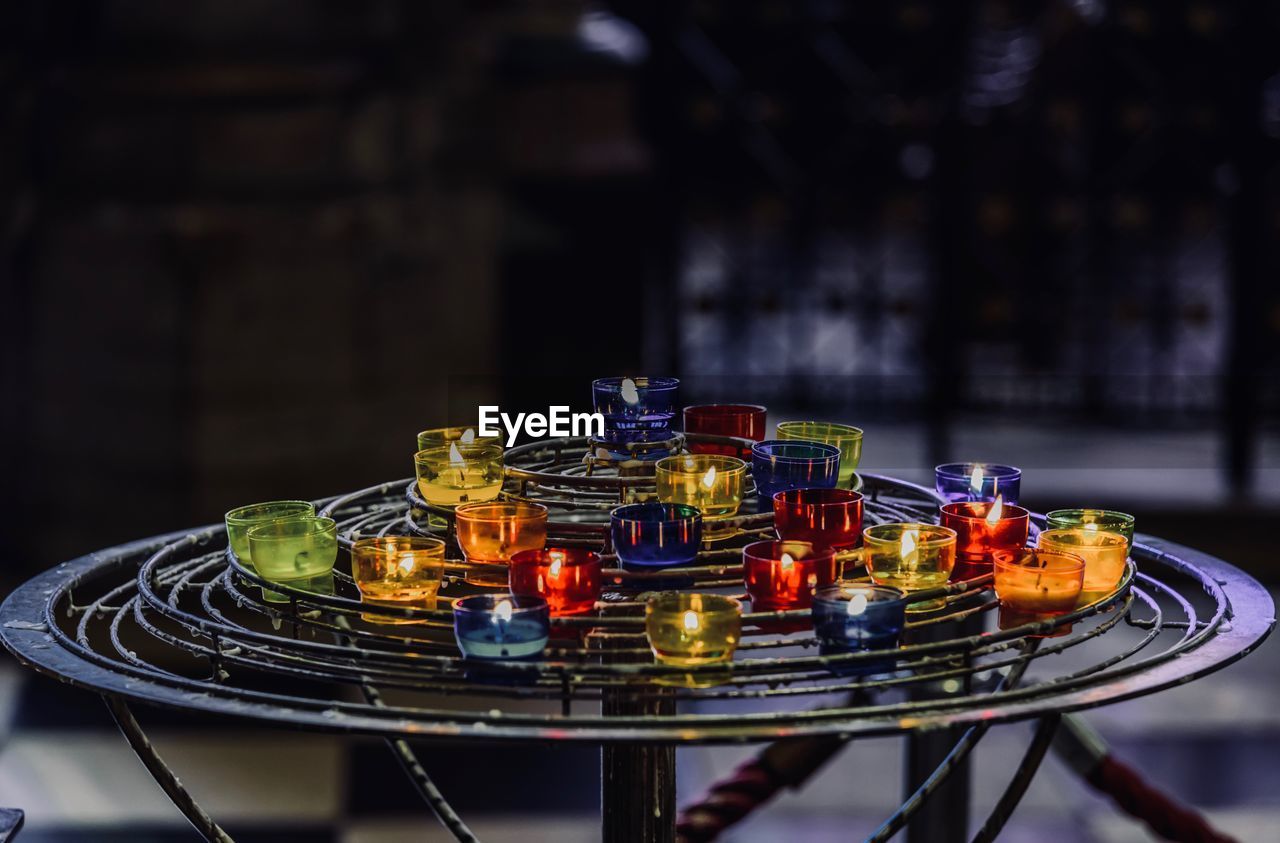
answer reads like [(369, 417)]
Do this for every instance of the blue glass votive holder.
[(779, 465), (635, 409), (977, 481), (655, 535), (501, 626), (856, 618)]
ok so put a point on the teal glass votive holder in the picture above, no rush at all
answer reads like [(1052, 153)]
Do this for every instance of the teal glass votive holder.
[(297, 552)]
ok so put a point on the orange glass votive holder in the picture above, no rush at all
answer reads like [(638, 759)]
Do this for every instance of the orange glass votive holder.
[(783, 574), (1036, 585), (568, 578), (1104, 557), (983, 527), (491, 533), (403, 571)]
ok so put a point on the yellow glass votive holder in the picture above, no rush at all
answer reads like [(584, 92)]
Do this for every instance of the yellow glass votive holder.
[(297, 552), (403, 571), (911, 557), (710, 482), (437, 436), (453, 474), (491, 533), (845, 437), (1104, 557), (693, 630)]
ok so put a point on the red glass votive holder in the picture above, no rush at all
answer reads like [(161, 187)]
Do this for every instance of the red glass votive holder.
[(746, 421), (984, 527), (824, 517), (1036, 585), (783, 574), (568, 578)]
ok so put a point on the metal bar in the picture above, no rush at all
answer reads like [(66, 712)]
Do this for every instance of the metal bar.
[(1026, 771)]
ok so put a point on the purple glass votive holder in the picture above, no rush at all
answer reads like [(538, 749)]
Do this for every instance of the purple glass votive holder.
[(635, 409), (977, 481), (778, 465)]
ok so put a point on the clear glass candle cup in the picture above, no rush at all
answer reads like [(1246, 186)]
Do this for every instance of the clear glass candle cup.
[(911, 557), (1104, 557), (710, 482), (453, 474), (1107, 520), (298, 552), (1036, 585), (655, 535), (978, 481), (782, 575), (568, 578), (744, 421), (825, 517), (501, 626), (845, 437), (442, 436), (984, 527), (856, 618), (635, 408), (691, 630), (777, 466), (399, 571), (490, 534)]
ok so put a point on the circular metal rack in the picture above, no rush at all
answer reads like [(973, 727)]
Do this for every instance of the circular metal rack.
[(177, 621)]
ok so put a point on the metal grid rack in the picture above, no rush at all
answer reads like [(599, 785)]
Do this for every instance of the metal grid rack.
[(177, 621)]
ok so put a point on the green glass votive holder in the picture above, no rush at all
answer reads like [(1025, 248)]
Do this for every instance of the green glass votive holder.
[(848, 439), (297, 552), (1106, 520), (240, 519), (453, 474)]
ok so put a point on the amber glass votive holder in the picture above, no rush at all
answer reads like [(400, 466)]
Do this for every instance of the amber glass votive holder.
[(826, 517), (691, 630), (568, 578), (453, 474), (710, 482), (1104, 557), (983, 528), (491, 533), (1036, 585), (437, 436), (400, 571), (746, 421), (845, 437), (298, 552), (1107, 520), (782, 575), (911, 557)]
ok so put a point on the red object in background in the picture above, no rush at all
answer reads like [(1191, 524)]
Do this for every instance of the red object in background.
[(567, 577), (977, 537), (783, 574), (826, 517), (744, 420)]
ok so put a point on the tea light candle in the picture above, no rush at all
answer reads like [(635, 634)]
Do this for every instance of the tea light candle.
[(710, 482), (978, 481), (1036, 585), (1104, 557), (982, 528), (568, 578), (438, 436), (745, 421), (491, 533), (655, 535), (636, 408), (783, 574), (688, 630), (854, 618), (501, 626), (400, 571), (457, 474), (298, 552), (826, 517), (848, 439), (911, 557), (1107, 520), (778, 466)]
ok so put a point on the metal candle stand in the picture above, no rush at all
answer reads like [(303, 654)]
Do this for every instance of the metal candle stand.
[(175, 621)]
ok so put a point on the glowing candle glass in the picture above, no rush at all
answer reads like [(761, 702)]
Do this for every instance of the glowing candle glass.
[(746, 421), (1104, 556), (777, 466), (1036, 585), (491, 533), (1107, 520), (911, 557), (298, 552), (978, 481), (982, 528), (438, 436), (710, 482), (848, 439), (635, 409), (501, 626), (568, 578), (655, 535), (402, 571), (826, 517), (453, 474), (688, 630), (854, 618), (783, 574)]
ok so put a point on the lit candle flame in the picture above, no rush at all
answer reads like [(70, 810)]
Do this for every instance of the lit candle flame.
[(406, 565), (709, 479), (1092, 526), (787, 562), (997, 509), (468, 436), (975, 480), (503, 610), (910, 539), (628, 391), (691, 620), (857, 605), (557, 560), (455, 456)]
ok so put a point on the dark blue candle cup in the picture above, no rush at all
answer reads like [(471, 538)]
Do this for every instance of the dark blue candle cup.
[(635, 409), (655, 535), (779, 465), (977, 481), (501, 627), (857, 618)]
